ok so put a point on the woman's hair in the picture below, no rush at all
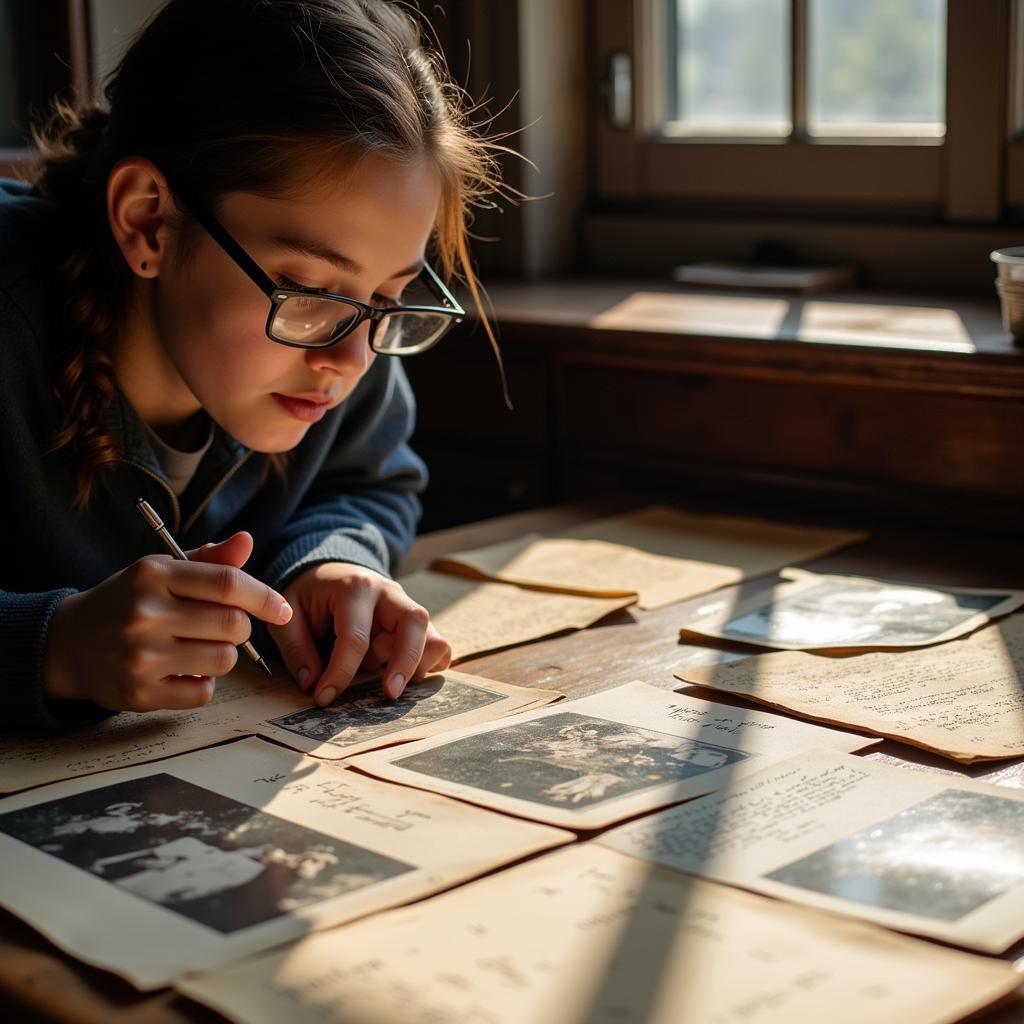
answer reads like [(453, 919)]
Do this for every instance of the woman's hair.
[(235, 95)]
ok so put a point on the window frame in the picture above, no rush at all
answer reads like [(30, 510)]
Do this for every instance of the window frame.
[(955, 180)]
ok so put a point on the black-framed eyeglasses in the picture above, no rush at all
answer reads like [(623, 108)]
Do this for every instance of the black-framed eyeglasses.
[(315, 318)]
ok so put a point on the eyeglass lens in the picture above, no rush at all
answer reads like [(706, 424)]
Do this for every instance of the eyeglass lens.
[(307, 320), (311, 321)]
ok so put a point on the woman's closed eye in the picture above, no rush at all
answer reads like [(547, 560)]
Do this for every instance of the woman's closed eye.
[(377, 299), (284, 281)]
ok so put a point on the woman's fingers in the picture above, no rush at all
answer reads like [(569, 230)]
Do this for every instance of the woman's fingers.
[(181, 693), (200, 658), (379, 653), (407, 651), (437, 655), (226, 585), (233, 551), (353, 623), (202, 620), (298, 650)]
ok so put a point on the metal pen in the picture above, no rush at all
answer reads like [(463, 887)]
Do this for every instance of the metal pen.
[(151, 517)]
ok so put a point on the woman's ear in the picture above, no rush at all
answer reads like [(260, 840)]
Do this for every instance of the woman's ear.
[(140, 209)]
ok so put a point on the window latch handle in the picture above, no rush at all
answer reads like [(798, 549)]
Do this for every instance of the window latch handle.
[(617, 89)]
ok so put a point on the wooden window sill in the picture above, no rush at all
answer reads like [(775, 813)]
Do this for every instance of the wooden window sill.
[(856, 338)]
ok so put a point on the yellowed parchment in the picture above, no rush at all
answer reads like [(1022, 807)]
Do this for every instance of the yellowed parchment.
[(216, 854), (600, 759), (362, 718), (811, 611), (246, 703), (660, 553), (475, 617), (963, 699), (915, 851), (586, 935), (128, 739)]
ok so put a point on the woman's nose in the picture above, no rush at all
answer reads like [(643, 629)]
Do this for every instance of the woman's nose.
[(350, 357)]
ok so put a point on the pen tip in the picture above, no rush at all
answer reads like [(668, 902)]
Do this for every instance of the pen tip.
[(263, 665)]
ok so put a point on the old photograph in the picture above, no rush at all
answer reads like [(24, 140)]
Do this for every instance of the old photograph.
[(942, 858), (569, 760), (215, 860), (850, 612), (363, 713)]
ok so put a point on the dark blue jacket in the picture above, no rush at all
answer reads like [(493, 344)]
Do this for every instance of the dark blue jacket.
[(350, 494)]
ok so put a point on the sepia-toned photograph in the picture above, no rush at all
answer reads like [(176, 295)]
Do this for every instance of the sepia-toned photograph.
[(569, 760), (852, 612), (363, 712), (942, 858), (212, 859)]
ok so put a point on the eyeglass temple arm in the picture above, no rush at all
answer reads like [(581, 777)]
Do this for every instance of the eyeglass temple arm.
[(221, 236), (261, 279), (442, 289)]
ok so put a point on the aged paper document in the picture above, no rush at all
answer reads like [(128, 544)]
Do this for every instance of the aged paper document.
[(585, 935), (816, 612), (362, 718), (213, 855), (589, 762), (247, 703), (923, 853), (660, 553), (128, 739), (475, 617), (964, 699)]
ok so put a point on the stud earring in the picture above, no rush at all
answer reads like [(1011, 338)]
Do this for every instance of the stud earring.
[(144, 265)]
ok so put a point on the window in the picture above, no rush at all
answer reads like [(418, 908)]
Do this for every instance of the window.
[(728, 68), (876, 68), (858, 69), (893, 109)]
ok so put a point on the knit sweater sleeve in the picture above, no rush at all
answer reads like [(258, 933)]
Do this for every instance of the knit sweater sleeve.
[(25, 617), (24, 628)]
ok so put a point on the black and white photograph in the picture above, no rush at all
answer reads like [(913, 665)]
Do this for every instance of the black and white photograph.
[(942, 858), (363, 713), (850, 612), (569, 760), (215, 860)]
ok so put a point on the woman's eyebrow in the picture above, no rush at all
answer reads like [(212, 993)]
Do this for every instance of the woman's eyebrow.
[(311, 247)]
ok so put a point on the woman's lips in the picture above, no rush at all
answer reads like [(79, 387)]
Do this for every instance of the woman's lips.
[(302, 408)]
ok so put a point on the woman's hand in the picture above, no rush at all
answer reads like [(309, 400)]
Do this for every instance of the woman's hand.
[(157, 633), (375, 623)]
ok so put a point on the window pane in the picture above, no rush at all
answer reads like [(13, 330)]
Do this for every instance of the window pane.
[(877, 67), (730, 65)]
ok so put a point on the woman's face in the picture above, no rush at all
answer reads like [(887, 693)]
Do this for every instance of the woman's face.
[(362, 235)]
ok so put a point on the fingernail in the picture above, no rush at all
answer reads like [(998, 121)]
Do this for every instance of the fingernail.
[(325, 697), (285, 612), (303, 677), (395, 685)]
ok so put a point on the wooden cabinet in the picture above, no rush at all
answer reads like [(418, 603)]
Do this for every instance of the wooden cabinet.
[(920, 433)]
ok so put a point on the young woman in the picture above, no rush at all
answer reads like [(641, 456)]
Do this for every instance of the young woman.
[(203, 295)]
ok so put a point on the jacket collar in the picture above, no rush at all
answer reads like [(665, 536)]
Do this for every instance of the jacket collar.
[(220, 464)]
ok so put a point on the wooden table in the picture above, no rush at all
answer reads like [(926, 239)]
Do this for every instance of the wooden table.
[(39, 983)]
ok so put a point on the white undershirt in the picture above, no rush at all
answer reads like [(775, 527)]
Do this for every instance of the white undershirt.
[(179, 467)]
